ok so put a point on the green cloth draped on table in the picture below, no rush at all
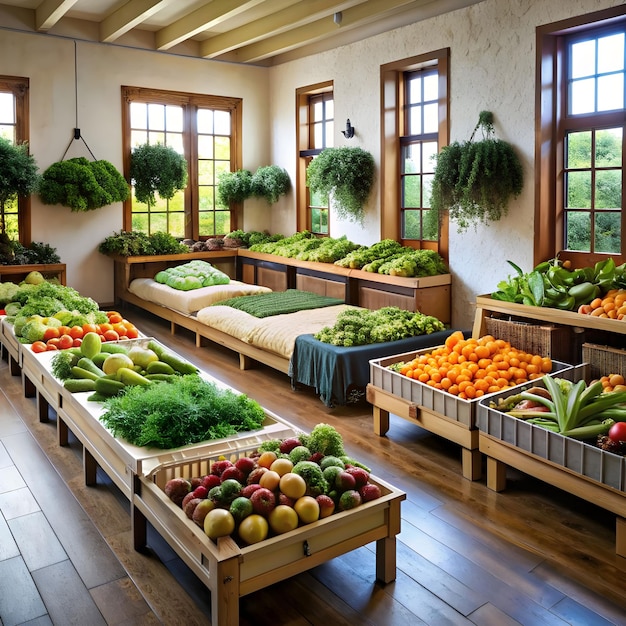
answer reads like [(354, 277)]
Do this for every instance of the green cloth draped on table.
[(339, 375)]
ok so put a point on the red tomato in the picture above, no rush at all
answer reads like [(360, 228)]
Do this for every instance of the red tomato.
[(120, 329), (52, 332), (617, 432), (111, 335), (77, 342), (65, 342), (102, 328), (77, 332), (132, 333), (38, 346), (114, 317), (50, 347), (89, 328), (64, 330), (54, 341)]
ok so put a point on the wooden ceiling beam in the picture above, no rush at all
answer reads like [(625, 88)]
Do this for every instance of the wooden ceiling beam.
[(49, 12), (314, 31), (128, 17), (207, 16), (299, 14)]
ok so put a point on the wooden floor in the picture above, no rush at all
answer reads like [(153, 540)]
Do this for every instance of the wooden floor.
[(466, 555)]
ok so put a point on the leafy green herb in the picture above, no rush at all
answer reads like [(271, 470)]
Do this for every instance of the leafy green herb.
[(62, 363), (187, 410)]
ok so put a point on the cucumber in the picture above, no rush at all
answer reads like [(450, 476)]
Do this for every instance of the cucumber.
[(129, 376), (112, 348), (108, 387), (77, 385), (90, 366), (82, 373), (100, 358), (166, 378), (159, 367), (180, 365)]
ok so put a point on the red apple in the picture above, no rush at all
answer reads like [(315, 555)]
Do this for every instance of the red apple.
[(327, 505), (263, 501)]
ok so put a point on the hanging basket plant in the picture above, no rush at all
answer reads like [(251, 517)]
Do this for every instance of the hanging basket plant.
[(347, 173), (475, 180), (270, 182), (18, 173), (82, 185), (157, 170), (234, 186)]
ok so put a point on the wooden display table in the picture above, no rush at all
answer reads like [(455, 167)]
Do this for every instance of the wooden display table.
[(17, 273)]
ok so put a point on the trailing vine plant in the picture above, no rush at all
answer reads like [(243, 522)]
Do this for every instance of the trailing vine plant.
[(234, 186), (347, 173), (475, 180), (270, 182)]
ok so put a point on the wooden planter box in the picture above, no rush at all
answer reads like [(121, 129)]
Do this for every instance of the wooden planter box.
[(17, 273)]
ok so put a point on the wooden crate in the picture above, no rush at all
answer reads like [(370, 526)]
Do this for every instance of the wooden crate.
[(604, 360)]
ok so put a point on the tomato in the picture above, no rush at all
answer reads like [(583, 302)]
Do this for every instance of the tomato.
[(102, 328), (77, 342), (89, 328), (54, 341), (111, 335), (64, 330), (76, 332), (38, 346), (132, 333), (617, 432), (120, 329), (114, 317), (65, 342), (50, 347), (52, 332)]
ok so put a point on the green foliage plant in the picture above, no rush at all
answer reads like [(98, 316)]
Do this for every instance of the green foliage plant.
[(475, 180), (234, 186), (347, 173), (82, 185), (138, 243), (156, 169), (270, 182), (18, 173)]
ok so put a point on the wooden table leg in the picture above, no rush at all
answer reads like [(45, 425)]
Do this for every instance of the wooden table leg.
[(381, 421), (43, 407), (225, 607), (90, 467), (29, 388), (138, 522), (472, 462), (62, 432), (496, 474), (14, 368), (620, 538)]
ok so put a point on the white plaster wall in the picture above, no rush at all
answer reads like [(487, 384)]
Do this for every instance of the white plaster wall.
[(492, 64), (102, 70)]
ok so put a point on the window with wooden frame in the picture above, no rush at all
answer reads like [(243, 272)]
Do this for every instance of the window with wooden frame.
[(15, 220), (206, 130), (415, 127), (315, 131), (581, 100)]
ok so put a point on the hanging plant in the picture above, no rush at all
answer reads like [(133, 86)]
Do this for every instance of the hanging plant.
[(18, 174), (475, 180), (156, 169), (234, 186), (347, 173), (270, 182), (82, 185)]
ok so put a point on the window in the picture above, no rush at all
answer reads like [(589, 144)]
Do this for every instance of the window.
[(414, 129), (207, 131), (581, 139), (15, 220), (315, 131)]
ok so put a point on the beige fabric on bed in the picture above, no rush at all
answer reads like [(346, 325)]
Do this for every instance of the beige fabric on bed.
[(276, 333), (189, 302)]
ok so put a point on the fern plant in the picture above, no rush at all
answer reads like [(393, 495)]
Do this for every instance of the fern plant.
[(270, 182), (475, 180), (234, 186), (347, 173), (156, 169)]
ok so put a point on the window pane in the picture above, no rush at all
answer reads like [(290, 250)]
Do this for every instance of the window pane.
[(415, 120), (318, 111), (204, 120), (319, 221), (222, 148), (7, 110), (175, 140), (611, 53), (207, 223), (156, 137), (431, 87), (578, 231), (430, 225), (7, 132), (609, 147), (206, 198), (427, 187), (608, 232), (174, 119), (611, 92), (205, 147), (412, 224), (137, 138), (411, 159), (205, 172), (138, 115), (318, 136), (222, 123), (319, 200), (329, 113), (578, 150), (431, 119), (583, 59), (578, 190), (608, 189), (222, 222), (411, 192), (156, 116), (429, 152), (330, 135), (583, 96), (415, 90)]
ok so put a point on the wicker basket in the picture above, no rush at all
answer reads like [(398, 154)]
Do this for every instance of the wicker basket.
[(604, 360), (557, 342)]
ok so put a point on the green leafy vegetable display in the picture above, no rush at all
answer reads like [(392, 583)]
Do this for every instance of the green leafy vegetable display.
[(192, 275), (358, 327), (178, 413), (48, 298), (137, 243)]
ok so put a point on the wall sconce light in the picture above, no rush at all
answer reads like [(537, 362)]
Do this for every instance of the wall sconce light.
[(349, 132), (338, 17)]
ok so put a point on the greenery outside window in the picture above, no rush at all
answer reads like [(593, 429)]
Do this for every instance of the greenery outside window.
[(580, 144), (206, 130), (315, 132), (415, 112), (14, 127)]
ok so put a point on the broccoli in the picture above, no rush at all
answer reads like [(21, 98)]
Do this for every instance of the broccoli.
[(62, 363), (33, 330), (313, 476), (325, 440)]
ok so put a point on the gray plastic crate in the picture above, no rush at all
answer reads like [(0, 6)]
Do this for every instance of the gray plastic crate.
[(437, 400)]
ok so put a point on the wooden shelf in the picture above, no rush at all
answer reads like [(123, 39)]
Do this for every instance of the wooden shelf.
[(17, 273)]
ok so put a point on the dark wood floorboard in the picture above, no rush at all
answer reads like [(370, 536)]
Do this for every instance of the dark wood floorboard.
[(466, 555)]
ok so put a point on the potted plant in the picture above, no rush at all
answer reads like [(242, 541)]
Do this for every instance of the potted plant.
[(18, 174), (82, 185), (234, 186), (475, 180), (347, 173), (156, 169), (270, 182)]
